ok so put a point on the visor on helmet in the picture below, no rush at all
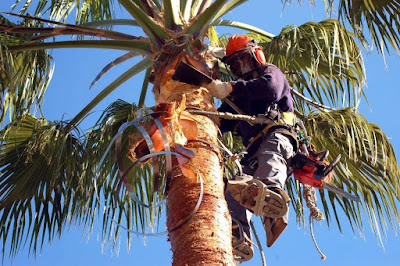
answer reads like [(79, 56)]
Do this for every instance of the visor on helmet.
[(241, 62)]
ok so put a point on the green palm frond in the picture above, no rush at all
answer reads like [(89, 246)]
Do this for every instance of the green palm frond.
[(228, 7), (233, 143), (239, 25), (153, 30), (86, 10), (46, 172), (185, 9), (111, 22), (150, 7), (41, 185), (120, 206), (201, 24), (145, 87), (24, 76), (379, 17), (324, 60), (63, 29), (377, 20), (368, 167), (172, 14)]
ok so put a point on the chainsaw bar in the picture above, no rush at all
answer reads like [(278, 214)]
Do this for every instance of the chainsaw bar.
[(334, 189), (341, 192)]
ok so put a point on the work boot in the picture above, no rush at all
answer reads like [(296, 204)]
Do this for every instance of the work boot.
[(256, 197), (273, 228), (241, 243)]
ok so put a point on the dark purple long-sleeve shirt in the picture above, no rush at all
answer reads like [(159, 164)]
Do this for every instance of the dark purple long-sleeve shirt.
[(254, 96)]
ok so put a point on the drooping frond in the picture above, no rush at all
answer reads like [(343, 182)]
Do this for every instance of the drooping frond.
[(368, 168), (322, 60), (375, 20), (380, 17), (41, 185), (119, 205), (233, 142), (117, 61), (145, 87), (24, 76)]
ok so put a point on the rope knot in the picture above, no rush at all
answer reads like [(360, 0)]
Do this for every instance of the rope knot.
[(310, 197)]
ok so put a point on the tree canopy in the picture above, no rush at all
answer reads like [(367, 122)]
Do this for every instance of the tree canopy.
[(323, 61)]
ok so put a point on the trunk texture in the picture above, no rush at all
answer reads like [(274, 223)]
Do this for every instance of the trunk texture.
[(206, 238)]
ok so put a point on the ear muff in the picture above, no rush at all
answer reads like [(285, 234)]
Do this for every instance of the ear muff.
[(259, 55)]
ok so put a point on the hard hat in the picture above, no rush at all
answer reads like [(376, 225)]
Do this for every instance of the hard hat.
[(238, 43), (243, 55)]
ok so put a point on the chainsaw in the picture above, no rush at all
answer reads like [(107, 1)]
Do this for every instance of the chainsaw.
[(311, 169)]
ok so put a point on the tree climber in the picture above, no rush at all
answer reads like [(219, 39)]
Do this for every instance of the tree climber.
[(259, 88)]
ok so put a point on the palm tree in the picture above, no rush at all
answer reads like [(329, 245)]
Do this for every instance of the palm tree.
[(47, 167)]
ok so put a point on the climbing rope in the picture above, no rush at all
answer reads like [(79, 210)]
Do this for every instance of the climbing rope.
[(253, 228), (310, 197)]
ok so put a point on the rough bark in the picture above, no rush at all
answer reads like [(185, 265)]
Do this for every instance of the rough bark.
[(206, 238)]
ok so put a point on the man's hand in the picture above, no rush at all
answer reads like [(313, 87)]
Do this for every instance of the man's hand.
[(219, 89)]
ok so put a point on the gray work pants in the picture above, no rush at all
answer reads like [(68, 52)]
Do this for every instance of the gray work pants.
[(274, 159)]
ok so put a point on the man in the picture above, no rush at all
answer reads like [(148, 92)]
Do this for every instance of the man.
[(259, 88)]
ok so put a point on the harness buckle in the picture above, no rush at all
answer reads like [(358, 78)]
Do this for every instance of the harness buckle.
[(253, 164)]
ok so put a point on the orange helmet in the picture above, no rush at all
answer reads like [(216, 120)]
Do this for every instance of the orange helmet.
[(240, 46)]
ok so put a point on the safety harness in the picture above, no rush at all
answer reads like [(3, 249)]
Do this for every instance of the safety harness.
[(275, 121)]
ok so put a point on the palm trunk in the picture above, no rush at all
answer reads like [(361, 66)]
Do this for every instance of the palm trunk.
[(206, 238)]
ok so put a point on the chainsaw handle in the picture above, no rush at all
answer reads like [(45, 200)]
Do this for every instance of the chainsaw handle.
[(311, 171)]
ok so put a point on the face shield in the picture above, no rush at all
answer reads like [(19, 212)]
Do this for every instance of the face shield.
[(241, 63)]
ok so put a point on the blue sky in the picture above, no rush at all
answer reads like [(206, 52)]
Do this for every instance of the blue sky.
[(68, 93)]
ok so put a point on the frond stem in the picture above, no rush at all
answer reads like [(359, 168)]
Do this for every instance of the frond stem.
[(311, 102)]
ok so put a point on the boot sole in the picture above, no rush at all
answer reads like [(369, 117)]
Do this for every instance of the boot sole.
[(273, 205)]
